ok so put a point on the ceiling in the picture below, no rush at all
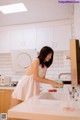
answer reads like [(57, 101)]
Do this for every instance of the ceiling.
[(38, 11)]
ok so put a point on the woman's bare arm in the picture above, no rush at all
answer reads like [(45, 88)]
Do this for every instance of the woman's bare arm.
[(42, 80)]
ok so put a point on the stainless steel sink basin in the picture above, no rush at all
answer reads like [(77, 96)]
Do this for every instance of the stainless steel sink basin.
[(53, 96)]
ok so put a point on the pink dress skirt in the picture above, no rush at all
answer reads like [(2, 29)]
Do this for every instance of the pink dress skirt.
[(26, 88)]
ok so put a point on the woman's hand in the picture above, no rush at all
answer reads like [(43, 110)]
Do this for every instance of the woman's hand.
[(56, 84)]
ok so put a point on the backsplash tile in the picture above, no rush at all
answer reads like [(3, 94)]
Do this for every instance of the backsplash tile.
[(59, 65)]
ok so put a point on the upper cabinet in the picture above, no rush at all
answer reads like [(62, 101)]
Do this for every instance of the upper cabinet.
[(16, 39), (29, 38), (76, 25), (54, 34), (34, 36), (44, 36), (4, 41), (23, 39), (61, 37)]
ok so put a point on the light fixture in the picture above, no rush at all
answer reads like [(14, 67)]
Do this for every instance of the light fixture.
[(13, 8)]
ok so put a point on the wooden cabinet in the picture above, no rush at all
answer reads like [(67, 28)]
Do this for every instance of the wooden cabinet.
[(1, 100), (5, 96)]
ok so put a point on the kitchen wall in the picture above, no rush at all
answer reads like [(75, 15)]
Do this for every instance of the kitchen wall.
[(56, 34), (60, 65), (6, 66)]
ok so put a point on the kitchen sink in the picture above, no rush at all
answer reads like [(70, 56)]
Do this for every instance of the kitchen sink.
[(57, 99), (53, 96)]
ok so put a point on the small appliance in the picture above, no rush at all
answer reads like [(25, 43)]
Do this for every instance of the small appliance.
[(5, 80)]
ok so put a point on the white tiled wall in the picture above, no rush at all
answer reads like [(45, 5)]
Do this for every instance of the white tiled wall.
[(60, 65), (6, 66)]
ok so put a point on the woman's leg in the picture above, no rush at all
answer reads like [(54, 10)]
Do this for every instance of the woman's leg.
[(14, 102)]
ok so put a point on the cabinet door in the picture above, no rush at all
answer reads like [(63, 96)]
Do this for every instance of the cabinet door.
[(16, 40), (4, 41), (44, 37), (5, 97), (2, 93), (30, 38), (62, 36)]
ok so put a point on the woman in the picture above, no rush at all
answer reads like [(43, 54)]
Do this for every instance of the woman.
[(28, 86)]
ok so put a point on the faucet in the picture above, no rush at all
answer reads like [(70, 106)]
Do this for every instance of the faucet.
[(73, 93), (63, 74)]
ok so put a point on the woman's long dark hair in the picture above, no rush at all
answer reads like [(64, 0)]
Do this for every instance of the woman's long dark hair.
[(43, 54)]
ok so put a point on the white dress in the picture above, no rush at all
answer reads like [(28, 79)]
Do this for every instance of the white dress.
[(27, 86)]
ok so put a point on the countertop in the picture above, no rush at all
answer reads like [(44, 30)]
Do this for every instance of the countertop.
[(7, 88), (38, 109)]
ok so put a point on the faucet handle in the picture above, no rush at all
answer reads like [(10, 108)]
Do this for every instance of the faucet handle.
[(67, 57), (73, 93)]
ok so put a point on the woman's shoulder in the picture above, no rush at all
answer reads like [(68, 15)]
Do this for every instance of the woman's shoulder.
[(36, 60)]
